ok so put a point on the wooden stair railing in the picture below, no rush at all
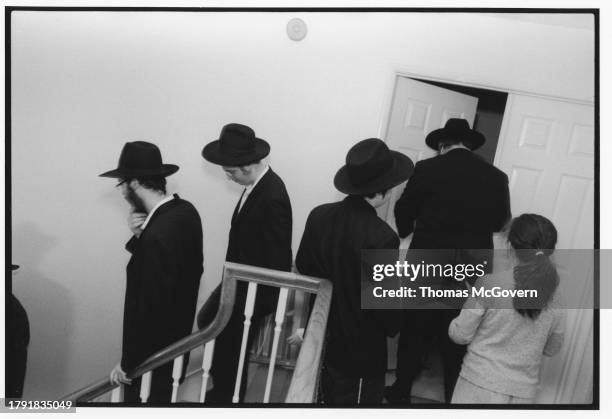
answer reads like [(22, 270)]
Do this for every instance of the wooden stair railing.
[(304, 382)]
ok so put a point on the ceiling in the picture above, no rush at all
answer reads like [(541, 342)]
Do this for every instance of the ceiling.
[(584, 21)]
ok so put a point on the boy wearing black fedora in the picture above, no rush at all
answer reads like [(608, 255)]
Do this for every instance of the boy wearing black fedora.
[(355, 358), (455, 200), (163, 274), (260, 235)]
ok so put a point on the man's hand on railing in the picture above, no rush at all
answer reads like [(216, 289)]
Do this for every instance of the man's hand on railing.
[(297, 338), (118, 376)]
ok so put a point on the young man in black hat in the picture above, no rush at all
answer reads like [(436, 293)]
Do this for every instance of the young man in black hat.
[(455, 200), (260, 235), (335, 234), (163, 274)]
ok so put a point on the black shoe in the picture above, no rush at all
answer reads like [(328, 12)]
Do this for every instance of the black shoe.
[(215, 398), (394, 395)]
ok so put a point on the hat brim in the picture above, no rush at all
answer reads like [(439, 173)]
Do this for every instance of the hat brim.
[(164, 170), (475, 138), (400, 171), (213, 153)]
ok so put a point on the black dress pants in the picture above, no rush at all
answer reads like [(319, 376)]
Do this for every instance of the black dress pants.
[(228, 342), (421, 329), (18, 339), (341, 389), (226, 357)]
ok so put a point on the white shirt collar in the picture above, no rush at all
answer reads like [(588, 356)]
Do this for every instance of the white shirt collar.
[(159, 204), (455, 147), (248, 189)]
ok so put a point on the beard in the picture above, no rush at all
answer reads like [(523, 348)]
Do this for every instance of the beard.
[(134, 200)]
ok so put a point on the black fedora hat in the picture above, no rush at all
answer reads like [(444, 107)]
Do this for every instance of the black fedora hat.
[(237, 146), (456, 129), (371, 167), (140, 159)]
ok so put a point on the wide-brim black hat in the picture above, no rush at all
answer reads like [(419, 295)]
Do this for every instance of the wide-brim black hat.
[(456, 129), (237, 146), (140, 159), (371, 167)]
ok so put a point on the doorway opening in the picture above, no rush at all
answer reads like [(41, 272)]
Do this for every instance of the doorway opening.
[(489, 114), (420, 106)]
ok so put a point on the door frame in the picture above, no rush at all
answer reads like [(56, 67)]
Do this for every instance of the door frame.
[(571, 368)]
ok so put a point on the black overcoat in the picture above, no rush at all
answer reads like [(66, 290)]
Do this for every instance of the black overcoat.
[(163, 279), (453, 201), (260, 235), (334, 236)]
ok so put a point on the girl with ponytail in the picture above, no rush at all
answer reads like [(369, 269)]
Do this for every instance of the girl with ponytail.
[(508, 337), (534, 270)]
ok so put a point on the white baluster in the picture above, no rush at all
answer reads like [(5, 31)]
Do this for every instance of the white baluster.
[(145, 386), (117, 394), (206, 364), (281, 307), (177, 369), (248, 312)]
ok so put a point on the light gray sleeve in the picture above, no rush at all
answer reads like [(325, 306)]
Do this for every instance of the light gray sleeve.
[(557, 335), (463, 328)]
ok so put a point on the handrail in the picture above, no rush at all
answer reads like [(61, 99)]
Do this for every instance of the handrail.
[(271, 277), (304, 381)]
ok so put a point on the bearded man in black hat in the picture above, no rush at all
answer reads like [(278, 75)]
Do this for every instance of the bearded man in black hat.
[(355, 359), (260, 235), (455, 200), (163, 274)]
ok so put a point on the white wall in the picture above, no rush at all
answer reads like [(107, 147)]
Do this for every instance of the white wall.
[(84, 83)]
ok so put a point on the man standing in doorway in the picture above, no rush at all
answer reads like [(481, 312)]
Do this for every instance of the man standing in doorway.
[(455, 200), (355, 359), (260, 235), (163, 274)]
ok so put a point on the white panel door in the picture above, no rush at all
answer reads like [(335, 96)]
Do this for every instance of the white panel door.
[(547, 150), (417, 109)]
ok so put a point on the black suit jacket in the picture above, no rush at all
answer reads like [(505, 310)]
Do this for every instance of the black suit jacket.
[(163, 279), (260, 235), (453, 201), (331, 246)]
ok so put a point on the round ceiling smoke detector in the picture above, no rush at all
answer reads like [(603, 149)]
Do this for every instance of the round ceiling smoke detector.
[(296, 29)]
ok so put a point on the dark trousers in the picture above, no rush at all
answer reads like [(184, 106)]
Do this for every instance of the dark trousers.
[(228, 342), (16, 360), (226, 357), (339, 388), (18, 339), (161, 387), (421, 329)]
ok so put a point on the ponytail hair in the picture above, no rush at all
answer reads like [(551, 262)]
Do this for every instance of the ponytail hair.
[(533, 238)]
